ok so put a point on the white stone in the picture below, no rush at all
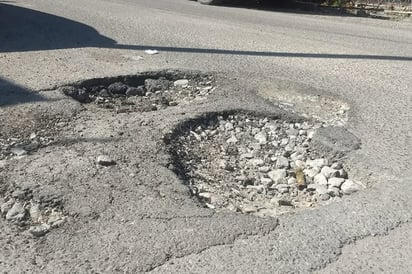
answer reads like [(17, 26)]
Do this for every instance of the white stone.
[(223, 164), (249, 209), (232, 140), (329, 172), (55, 219), (282, 162), (229, 126), (255, 131), (311, 172), (284, 142), (264, 169), (261, 137), (335, 182), (310, 134), (283, 190), (35, 213), (277, 175), (246, 156), (181, 83), (256, 162), (267, 182), (282, 186), (324, 197), (197, 136), (302, 132), (289, 147), (337, 165), (299, 163), (291, 181), (350, 186), (320, 179), (3, 164), (317, 163), (321, 189), (205, 195)]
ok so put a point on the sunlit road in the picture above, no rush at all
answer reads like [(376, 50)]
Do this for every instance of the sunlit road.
[(365, 63)]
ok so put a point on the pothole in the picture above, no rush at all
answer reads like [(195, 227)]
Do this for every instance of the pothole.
[(143, 92), (257, 164)]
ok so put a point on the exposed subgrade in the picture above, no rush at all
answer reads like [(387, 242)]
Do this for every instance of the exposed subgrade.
[(258, 164)]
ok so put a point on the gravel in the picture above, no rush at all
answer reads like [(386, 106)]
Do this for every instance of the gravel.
[(141, 93), (257, 165)]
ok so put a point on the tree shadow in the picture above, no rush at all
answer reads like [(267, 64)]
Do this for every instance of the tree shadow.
[(12, 94)]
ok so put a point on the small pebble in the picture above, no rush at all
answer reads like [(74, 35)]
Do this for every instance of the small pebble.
[(320, 179), (249, 209), (39, 230), (349, 187), (181, 83), (105, 160), (329, 172)]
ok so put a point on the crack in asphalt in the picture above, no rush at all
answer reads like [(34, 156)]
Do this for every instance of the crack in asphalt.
[(356, 239), (235, 239), (146, 217)]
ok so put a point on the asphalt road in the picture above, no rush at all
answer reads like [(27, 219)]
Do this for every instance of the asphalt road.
[(365, 63)]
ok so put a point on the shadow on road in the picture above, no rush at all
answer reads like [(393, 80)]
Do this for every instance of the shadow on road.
[(11, 94), (266, 53), (23, 29)]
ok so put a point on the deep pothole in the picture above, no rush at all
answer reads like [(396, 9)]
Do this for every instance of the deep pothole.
[(149, 91), (257, 164)]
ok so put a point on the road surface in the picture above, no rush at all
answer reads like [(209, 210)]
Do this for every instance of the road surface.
[(363, 63)]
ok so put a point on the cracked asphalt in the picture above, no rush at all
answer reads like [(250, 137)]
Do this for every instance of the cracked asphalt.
[(149, 222)]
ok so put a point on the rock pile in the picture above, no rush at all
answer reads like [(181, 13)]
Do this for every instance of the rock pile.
[(149, 95), (258, 165)]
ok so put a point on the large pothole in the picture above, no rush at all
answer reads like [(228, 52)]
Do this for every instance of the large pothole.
[(257, 164), (143, 92)]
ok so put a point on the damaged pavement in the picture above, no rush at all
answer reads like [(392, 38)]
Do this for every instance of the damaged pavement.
[(196, 160)]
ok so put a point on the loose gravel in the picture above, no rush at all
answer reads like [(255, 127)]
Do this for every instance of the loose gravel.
[(144, 92), (257, 165)]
